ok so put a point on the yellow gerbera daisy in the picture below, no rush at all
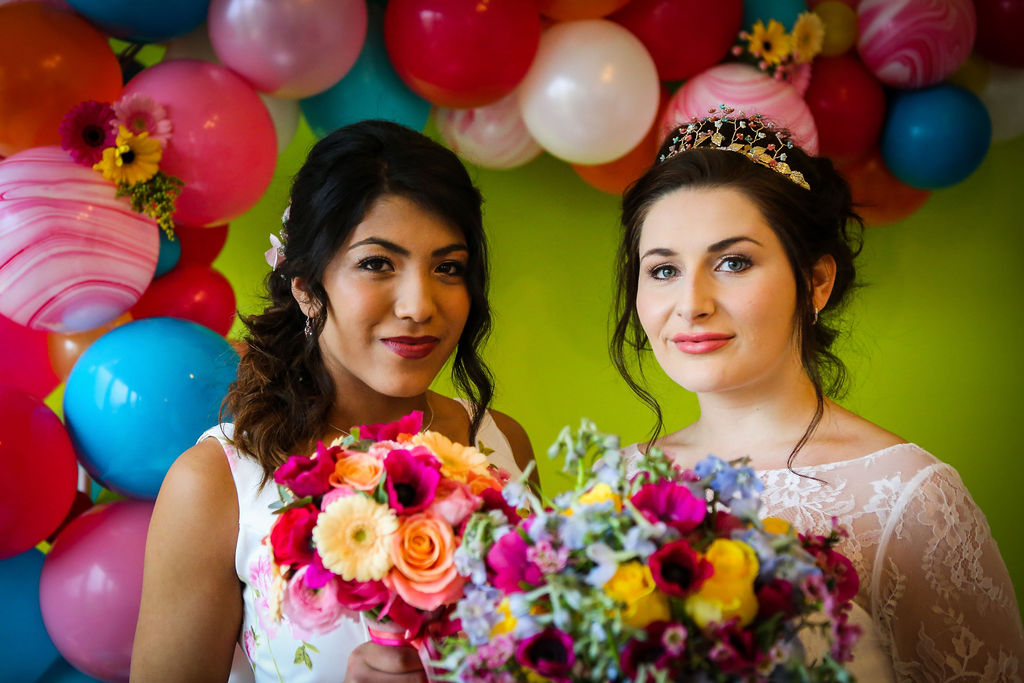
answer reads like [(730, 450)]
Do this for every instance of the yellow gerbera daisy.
[(353, 536), (134, 159), (772, 44), (457, 461), (808, 37)]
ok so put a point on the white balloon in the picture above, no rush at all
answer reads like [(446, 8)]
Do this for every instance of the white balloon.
[(592, 92), (1003, 96), (493, 136)]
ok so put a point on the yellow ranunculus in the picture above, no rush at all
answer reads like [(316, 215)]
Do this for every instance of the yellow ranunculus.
[(601, 493), (633, 585), (508, 621), (774, 525), (729, 592)]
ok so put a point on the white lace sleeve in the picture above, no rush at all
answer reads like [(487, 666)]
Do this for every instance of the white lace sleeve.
[(942, 595)]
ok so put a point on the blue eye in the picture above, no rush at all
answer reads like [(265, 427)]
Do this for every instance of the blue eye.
[(734, 264), (664, 272)]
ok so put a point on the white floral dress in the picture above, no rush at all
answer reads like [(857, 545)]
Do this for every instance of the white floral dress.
[(935, 596)]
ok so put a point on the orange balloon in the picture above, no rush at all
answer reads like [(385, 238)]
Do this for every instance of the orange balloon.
[(878, 196), (66, 348), (568, 10), (50, 60)]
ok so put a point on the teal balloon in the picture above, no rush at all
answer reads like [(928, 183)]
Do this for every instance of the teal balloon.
[(62, 672), (371, 89), (783, 11), (935, 137), (140, 395), (170, 253), (144, 21), (26, 650)]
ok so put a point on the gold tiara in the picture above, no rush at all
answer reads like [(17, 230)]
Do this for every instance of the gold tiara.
[(752, 136)]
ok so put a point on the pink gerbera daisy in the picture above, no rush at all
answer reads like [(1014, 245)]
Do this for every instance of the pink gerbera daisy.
[(85, 131), (140, 114)]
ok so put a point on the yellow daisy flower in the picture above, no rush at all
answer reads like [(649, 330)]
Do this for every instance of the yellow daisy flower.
[(457, 461), (134, 159), (353, 536), (772, 44), (808, 37)]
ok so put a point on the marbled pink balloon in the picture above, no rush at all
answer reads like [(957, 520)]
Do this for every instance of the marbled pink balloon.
[(72, 256), (493, 136), (746, 89), (915, 43)]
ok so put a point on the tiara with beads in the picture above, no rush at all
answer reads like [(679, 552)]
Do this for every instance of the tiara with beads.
[(753, 137)]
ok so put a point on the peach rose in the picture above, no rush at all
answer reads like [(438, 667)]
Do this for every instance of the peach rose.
[(361, 471), (479, 482), (422, 551)]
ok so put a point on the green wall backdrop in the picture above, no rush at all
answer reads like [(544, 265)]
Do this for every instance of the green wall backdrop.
[(934, 342)]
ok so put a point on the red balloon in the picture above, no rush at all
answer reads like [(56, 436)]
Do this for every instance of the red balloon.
[(570, 10), (25, 359), (192, 291), (848, 105), (878, 196), (683, 36), (39, 471), (459, 54), (200, 245), (999, 23)]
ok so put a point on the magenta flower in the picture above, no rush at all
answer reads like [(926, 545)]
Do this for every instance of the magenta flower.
[(549, 653), (776, 597), (316, 574), (736, 651), (493, 500), (85, 132), (140, 114), (308, 476), (390, 431), (650, 651), (671, 503), (410, 483), (678, 569), (361, 595), (403, 614), (507, 559)]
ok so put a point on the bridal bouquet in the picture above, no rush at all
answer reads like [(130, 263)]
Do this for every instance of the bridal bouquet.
[(665, 575), (371, 524)]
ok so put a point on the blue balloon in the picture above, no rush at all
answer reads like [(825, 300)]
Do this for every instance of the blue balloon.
[(25, 648), (170, 252), (935, 137), (62, 672), (144, 21), (783, 11), (372, 89), (140, 395)]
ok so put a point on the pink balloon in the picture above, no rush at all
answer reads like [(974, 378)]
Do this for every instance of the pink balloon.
[(915, 43), (72, 255), (493, 136), (746, 89), (286, 48), (25, 361), (91, 587), (223, 144)]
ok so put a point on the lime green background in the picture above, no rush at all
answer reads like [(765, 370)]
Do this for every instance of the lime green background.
[(934, 338)]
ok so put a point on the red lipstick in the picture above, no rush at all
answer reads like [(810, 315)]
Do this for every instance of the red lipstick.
[(411, 347), (700, 343)]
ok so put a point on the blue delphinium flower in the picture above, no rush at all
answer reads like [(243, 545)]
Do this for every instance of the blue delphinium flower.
[(607, 564), (477, 613), (515, 494)]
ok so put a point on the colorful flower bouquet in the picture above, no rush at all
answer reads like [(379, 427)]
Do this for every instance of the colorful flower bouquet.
[(663, 576), (371, 524)]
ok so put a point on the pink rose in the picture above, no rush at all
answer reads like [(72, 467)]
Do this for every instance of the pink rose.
[(311, 611), (336, 493), (454, 502), (361, 595)]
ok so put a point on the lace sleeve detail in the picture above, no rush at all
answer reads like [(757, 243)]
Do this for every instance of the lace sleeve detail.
[(942, 596)]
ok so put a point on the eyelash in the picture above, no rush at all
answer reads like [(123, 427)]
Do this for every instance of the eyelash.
[(745, 262), (371, 261), (378, 264)]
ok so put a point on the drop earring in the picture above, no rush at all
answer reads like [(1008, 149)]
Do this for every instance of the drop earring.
[(813, 322), (309, 327)]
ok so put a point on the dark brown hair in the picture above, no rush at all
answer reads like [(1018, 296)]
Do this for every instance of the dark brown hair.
[(283, 392)]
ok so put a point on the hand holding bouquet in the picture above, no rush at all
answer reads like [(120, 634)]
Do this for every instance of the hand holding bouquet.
[(668, 575)]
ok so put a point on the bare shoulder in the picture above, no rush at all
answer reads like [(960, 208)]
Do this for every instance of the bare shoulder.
[(517, 437), (849, 435)]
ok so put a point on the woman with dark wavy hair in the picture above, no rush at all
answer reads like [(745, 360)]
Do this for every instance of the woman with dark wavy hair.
[(380, 281), (738, 250)]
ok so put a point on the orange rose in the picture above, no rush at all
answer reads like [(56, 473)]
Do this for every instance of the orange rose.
[(422, 551), (479, 482), (361, 471)]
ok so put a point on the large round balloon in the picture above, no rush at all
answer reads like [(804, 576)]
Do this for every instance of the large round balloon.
[(999, 23), (170, 252), (61, 671), (25, 362), (935, 137), (25, 648), (193, 291), (591, 93), (915, 43), (288, 49), (492, 137), (657, 23), (35, 457), (50, 61), (200, 245), (73, 256), (1003, 95), (91, 587), (223, 144), (65, 349), (140, 395), (879, 197), (784, 11), (461, 54), (144, 21), (848, 105), (746, 89), (569, 10), (371, 89), (840, 22)]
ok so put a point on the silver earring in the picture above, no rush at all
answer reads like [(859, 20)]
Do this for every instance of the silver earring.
[(309, 327)]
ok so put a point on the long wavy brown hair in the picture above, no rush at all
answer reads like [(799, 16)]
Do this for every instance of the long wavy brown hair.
[(283, 393)]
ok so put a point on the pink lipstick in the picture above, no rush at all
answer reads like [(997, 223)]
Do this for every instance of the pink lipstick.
[(411, 347), (700, 343)]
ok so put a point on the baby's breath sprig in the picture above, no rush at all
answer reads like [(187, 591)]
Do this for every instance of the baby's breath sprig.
[(155, 197)]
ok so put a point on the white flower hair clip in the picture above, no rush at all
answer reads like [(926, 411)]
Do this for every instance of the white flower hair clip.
[(275, 255)]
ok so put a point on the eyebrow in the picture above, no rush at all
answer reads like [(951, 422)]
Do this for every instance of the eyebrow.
[(721, 245), (398, 249)]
